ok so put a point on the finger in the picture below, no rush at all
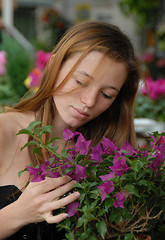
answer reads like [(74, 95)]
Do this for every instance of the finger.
[(56, 219), (49, 184), (58, 192), (64, 201)]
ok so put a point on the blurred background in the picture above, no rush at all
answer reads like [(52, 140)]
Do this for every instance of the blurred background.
[(29, 30)]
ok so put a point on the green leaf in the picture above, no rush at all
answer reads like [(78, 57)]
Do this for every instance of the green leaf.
[(93, 238), (29, 143), (108, 203), (34, 124), (70, 235), (53, 139), (129, 237), (101, 228), (25, 131), (131, 189), (37, 150), (81, 221), (83, 236), (101, 212), (64, 153), (20, 172), (137, 165)]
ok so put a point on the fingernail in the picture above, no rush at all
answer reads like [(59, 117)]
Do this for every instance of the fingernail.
[(77, 194)]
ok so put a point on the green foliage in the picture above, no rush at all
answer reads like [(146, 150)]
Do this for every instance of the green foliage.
[(146, 107), (7, 94), (146, 12), (19, 64), (97, 218)]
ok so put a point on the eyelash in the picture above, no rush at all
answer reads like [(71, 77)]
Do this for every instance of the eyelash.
[(78, 82), (104, 95)]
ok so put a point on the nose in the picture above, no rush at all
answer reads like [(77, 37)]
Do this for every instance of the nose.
[(89, 96)]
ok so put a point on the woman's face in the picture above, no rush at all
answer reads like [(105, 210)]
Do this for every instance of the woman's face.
[(89, 91)]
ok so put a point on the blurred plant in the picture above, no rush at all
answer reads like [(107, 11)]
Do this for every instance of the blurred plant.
[(160, 36), (18, 64), (150, 101), (33, 80), (55, 24), (7, 95), (145, 12), (121, 189)]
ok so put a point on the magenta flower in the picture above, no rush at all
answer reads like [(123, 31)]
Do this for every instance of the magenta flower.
[(106, 188), (68, 135), (109, 147), (72, 208), (38, 174), (107, 176), (80, 172), (119, 166), (2, 63), (120, 200), (148, 57), (96, 154), (35, 76), (129, 149), (154, 88), (42, 59), (82, 146)]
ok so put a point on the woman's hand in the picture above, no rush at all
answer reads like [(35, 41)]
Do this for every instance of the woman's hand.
[(37, 202)]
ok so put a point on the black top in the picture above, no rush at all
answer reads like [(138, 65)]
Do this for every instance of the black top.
[(34, 231)]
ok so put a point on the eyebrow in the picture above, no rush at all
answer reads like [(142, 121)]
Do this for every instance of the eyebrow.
[(85, 73), (89, 76)]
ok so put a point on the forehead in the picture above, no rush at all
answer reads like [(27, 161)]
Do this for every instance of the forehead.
[(94, 62), (95, 65)]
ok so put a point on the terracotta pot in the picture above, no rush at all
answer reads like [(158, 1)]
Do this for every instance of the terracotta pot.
[(143, 236)]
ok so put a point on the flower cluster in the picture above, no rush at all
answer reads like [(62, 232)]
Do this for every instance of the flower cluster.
[(150, 101), (34, 78), (121, 189), (2, 63), (154, 89)]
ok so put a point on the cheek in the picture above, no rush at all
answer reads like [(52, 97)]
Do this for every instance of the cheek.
[(102, 107)]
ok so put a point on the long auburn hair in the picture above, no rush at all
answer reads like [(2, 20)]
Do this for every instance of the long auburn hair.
[(116, 123)]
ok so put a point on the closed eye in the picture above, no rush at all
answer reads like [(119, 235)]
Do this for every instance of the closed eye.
[(81, 83), (105, 95)]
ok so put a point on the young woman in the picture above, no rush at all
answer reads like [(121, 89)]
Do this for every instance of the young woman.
[(89, 85)]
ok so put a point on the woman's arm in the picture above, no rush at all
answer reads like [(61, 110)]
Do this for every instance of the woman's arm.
[(36, 204)]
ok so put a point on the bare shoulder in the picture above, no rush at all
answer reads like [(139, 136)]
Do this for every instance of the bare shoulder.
[(10, 124)]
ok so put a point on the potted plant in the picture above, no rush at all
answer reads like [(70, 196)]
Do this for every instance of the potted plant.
[(122, 190)]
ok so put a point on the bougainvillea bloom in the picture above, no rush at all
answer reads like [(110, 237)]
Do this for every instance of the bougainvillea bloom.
[(120, 199), (108, 146), (106, 188), (68, 135), (119, 166), (38, 174), (82, 146), (80, 172), (96, 153), (107, 176), (72, 208)]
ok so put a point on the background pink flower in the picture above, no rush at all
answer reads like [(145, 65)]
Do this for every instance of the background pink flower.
[(2, 63)]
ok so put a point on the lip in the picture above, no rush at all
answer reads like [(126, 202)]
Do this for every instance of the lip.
[(80, 113)]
